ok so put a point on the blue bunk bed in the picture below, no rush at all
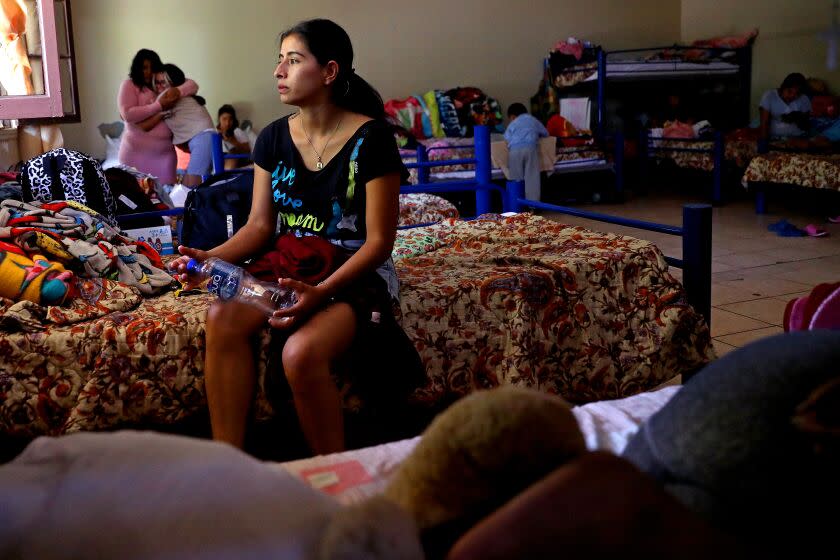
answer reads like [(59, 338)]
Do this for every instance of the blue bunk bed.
[(608, 71)]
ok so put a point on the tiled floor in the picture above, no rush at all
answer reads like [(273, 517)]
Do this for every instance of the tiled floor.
[(754, 271)]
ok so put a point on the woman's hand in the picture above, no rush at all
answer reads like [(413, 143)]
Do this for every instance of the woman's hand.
[(179, 266), (169, 97), (309, 299)]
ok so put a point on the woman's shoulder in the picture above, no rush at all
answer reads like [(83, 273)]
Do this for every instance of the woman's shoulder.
[(129, 84), (276, 129)]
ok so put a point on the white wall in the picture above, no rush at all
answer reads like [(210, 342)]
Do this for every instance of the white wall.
[(402, 48)]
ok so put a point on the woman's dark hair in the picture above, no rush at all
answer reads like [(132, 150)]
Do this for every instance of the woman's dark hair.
[(226, 108), (516, 109), (795, 80), (136, 71), (177, 78), (328, 41)]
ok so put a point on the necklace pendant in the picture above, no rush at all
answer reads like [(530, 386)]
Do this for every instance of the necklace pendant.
[(319, 165)]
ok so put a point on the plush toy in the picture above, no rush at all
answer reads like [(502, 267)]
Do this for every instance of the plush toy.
[(474, 457), (34, 279)]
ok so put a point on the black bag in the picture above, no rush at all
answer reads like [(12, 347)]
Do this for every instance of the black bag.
[(131, 199), (63, 174), (216, 209)]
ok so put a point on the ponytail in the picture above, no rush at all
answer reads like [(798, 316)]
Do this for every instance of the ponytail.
[(358, 96)]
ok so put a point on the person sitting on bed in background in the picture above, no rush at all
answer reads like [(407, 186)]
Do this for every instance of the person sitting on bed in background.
[(523, 136), (191, 125), (785, 111), (234, 139), (328, 177)]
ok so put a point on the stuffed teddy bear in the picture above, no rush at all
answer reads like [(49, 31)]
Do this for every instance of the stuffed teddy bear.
[(473, 458)]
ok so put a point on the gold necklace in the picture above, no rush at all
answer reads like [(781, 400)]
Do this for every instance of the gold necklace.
[(320, 164)]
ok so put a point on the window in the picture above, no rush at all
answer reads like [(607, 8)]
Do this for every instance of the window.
[(37, 65)]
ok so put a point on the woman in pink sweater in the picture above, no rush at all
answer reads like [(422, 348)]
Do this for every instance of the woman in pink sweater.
[(146, 143)]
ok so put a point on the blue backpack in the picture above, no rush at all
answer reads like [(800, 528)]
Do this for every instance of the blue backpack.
[(216, 209)]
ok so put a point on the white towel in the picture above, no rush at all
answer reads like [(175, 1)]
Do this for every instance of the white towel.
[(576, 110)]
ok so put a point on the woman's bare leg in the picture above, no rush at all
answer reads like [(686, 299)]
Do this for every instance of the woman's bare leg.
[(308, 357), (229, 372)]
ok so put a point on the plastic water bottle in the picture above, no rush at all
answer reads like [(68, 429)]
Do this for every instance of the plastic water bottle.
[(231, 283)]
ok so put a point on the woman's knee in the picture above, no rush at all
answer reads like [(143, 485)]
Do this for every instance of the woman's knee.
[(227, 321), (303, 363)]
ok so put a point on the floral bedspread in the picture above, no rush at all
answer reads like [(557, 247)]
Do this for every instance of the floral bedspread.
[(424, 208), (526, 300), (574, 75), (818, 171), (520, 300), (738, 152)]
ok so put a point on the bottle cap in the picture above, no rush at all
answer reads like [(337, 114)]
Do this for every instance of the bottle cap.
[(192, 266)]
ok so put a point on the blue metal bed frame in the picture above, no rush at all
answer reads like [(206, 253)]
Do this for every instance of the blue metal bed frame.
[(742, 54), (571, 166), (696, 229)]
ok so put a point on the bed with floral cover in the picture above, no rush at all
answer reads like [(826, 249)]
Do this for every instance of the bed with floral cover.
[(737, 152), (498, 300), (817, 171)]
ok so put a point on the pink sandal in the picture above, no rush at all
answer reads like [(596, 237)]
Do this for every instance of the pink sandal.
[(834, 219), (815, 231)]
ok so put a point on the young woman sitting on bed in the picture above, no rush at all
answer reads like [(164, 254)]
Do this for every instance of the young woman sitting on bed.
[(329, 172), (785, 111)]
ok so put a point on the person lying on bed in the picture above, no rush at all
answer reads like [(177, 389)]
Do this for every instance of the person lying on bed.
[(330, 171), (785, 111)]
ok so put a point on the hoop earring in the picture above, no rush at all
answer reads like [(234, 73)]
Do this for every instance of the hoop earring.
[(347, 89)]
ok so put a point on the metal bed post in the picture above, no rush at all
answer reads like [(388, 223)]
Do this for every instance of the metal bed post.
[(422, 171), (514, 191), (218, 154), (760, 191), (697, 258), (483, 169), (602, 80), (717, 169), (618, 165), (644, 159)]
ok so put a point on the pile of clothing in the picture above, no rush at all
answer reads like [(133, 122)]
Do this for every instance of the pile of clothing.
[(437, 114), (46, 244)]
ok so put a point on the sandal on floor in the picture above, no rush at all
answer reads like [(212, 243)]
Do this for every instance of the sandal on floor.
[(784, 228), (834, 219), (815, 231)]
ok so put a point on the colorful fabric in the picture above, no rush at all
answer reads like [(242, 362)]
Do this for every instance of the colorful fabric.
[(424, 208), (408, 113), (83, 242), (430, 99), (448, 115)]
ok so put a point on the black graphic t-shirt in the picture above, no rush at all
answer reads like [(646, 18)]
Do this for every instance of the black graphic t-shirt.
[(330, 202)]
